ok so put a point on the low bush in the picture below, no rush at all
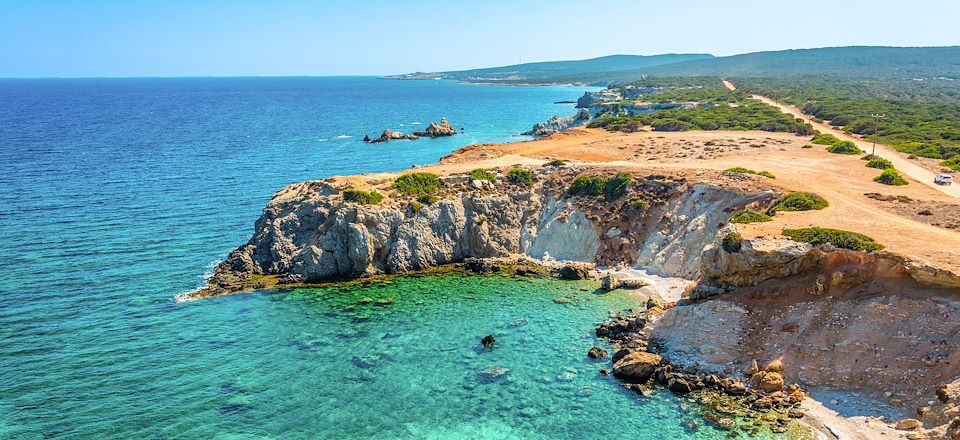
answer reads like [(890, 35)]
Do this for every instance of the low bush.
[(362, 197), (890, 176), (417, 183), (952, 163), (807, 147), (748, 216), (844, 147), (879, 163), (428, 199), (798, 201), (732, 242), (837, 237), (742, 170), (416, 207), (824, 139), (520, 176), (610, 188), (557, 163), (483, 174), (639, 204)]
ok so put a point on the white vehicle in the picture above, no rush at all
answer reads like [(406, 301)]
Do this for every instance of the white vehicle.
[(943, 179)]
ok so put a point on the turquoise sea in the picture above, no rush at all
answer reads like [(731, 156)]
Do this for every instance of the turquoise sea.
[(117, 194)]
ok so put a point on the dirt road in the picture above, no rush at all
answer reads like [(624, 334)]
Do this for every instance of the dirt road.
[(900, 162)]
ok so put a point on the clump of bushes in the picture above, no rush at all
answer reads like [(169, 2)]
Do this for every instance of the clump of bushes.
[(483, 174), (824, 139), (362, 197), (879, 163), (557, 163), (837, 237), (890, 176), (520, 176), (798, 201), (610, 188), (732, 242), (428, 199), (844, 147), (742, 170), (414, 184), (807, 147), (416, 207), (748, 216)]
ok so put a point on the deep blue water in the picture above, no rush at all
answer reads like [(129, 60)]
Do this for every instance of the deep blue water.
[(117, 194)]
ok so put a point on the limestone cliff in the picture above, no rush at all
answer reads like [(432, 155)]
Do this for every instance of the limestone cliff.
[(308, 233)]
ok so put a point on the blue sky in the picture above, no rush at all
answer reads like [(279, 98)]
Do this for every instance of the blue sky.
[(221, 38)]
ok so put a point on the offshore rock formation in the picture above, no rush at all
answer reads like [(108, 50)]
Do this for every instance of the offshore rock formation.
[(308, 233), (390, 135), (437, 130)]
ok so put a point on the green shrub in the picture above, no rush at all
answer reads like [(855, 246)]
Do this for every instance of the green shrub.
[(557, 163), (483, 174), (843, 147), (732, 242), (362, 197), (824, 139), (428, 199), (806, 147), (952, 163), (416, 207), (837, 237), (748, 216), (742, 170), (520, 176), (798, 201), (639, 204), (671, 125), (879, 163), (417, 183), (610, 188), (890, 176)]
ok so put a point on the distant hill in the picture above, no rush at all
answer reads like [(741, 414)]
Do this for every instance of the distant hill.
[(850, 62), (853, 61), (550, 70)]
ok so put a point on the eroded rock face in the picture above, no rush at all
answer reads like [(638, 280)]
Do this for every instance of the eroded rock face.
[(559, 123), (758, 260)]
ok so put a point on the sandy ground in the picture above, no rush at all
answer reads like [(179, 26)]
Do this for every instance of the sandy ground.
[(843, 180)]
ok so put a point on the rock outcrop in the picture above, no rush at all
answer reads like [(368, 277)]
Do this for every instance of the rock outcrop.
[(437, 129), (559, 123), (390, 135)]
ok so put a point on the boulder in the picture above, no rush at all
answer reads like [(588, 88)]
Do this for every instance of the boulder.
[(488, 341), (573, 272), (775, 366), (908, 424), (597, 353), (754, 369), (679, 385), (771, 382), (637, 366)]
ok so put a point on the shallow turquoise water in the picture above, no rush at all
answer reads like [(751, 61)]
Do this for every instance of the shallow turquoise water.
[(117, 194)]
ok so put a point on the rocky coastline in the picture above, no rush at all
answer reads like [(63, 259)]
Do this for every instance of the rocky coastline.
[(747, 333)]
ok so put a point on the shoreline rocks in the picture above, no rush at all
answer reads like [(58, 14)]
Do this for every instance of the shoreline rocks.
[(441, 129)]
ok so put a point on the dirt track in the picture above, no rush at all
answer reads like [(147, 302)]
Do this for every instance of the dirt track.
[(899, 160)]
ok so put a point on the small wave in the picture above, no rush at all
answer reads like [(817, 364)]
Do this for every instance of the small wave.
[(401, 125), (204, 281), (414, 123), (343, 136), (322, 140)]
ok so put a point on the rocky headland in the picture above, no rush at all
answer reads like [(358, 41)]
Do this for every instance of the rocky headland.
[(753, 331)]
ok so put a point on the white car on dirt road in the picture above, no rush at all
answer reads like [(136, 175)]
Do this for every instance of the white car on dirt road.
[(943, 179)]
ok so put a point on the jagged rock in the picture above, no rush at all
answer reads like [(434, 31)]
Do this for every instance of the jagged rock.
[(479, 265), (679, 385), (754, 369), (488, 341), (943, 394), (758, 260), (437, 130), (908, 424), (597, 353), (610, 281), (573, 272), (605, 371), (637, 366), (390, 135)]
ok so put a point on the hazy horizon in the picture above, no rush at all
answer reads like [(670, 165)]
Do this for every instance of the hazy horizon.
[(297, 38)]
